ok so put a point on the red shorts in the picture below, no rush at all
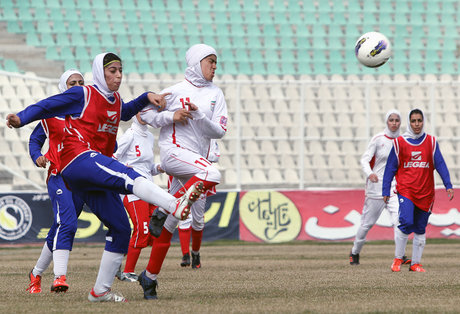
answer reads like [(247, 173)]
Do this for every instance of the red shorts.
[(139, 211)]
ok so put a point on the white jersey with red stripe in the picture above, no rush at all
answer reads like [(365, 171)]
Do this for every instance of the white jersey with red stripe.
[(135, 149), (196, 135), (374, 160)]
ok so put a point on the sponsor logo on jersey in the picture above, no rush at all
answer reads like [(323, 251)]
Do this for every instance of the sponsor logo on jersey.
[(416, 164), (112, 116), (111, 124), (15, 217), (416, 156)]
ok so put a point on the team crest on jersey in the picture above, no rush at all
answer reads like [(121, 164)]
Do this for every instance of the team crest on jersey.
[(213, 104), (223, 121)]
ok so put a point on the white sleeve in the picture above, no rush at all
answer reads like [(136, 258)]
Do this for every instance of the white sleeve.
[(154, 171), (217, 127), (156, 119), (123, 146), (367, 157)]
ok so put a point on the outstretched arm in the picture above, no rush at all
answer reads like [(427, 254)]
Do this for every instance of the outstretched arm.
[(390, 171)]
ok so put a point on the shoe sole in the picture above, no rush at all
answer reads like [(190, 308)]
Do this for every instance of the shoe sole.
[(59, 289), (193, 195)]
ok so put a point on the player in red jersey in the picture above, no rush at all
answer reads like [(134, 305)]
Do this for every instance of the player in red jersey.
[(66, 207), (93, 114), (413, 159)]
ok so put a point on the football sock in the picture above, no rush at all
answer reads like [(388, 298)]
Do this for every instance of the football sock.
[(131, 259), (110, 263), (46, 256), (360, 239), (417, 248), (148, 191), (184, 238), (196, 240), (160, 248), (60, 261), (400, 243)]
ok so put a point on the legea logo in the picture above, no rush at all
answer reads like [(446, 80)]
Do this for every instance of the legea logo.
[(416, 156), (270, 216)]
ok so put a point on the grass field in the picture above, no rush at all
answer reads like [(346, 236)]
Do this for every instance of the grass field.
[(301, 277)]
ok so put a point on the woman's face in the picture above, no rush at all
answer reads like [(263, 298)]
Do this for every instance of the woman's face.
[(113, 74), (393, 122), (416, 122), (208, 67), (75, 80)]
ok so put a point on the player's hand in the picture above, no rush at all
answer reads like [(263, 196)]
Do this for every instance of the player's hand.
[(158, 100), (191, 106), (386, 199), (450, 194), (160, 170), (373, 177), (181, 116), (41, 161), (13, 121)]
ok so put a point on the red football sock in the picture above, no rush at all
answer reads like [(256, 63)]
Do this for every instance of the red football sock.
[(131, 259), (196, 239), (184, 237), (160, 248)]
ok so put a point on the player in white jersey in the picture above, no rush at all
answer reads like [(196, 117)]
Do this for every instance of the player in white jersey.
[(135, 149), (195, 113), (189, 228), (373, 163)]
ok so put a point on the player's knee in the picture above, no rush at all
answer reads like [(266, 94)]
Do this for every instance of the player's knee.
[(198, 225)]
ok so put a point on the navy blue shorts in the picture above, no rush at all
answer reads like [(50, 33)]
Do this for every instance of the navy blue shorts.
[(411, 218), (99, 180)]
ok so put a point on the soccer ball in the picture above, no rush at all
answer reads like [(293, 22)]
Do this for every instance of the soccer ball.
[(373, 49)]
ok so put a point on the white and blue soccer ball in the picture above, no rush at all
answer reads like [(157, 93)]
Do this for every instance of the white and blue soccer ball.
[(373, 49)]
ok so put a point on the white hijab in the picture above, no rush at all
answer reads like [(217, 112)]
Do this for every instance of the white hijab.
[(409, 132), (387, 131), (138, 128), (193, 56), (64, 77), (99, 77)]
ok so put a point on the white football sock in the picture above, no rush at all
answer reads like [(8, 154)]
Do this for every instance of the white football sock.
[(400, 243), (43, 261), (60, 261), (148, 191), (150, 275), (110, 262), (417, 248), (360, 239)]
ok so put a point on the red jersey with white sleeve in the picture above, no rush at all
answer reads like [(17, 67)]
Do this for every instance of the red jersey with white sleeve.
[(54, 129), (414, 178), (92, 131), (209, 121), (135, 149)]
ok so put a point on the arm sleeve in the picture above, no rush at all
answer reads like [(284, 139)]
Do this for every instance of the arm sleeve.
[(441, 167), (367, 157), (68, 103), (129, 109), (157, 119), (154, 171), (123, 145), (216, 127), (390, 171), (36, 141)]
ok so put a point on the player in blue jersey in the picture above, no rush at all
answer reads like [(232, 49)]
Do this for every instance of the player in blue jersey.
[(93, 114), (66, 208)]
